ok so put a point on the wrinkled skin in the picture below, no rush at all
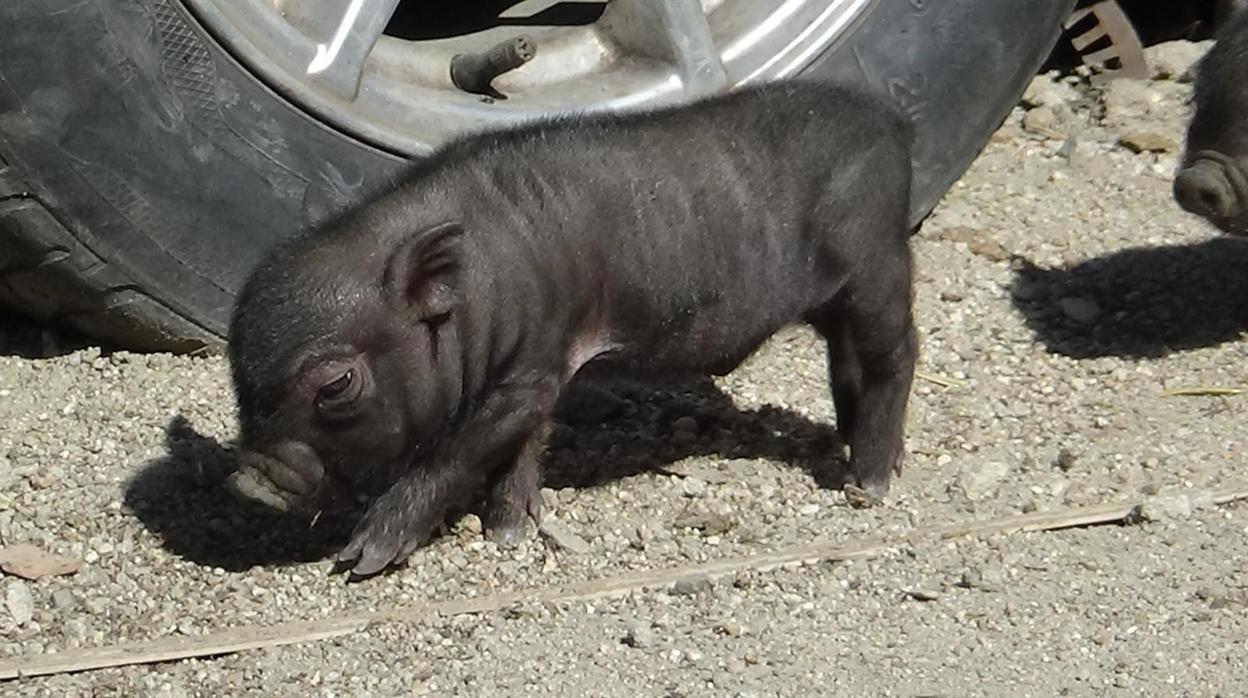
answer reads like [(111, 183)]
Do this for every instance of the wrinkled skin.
[(413, 350), (1213, 180)]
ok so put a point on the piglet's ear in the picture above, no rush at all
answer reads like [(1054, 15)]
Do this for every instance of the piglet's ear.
[(422, 274)]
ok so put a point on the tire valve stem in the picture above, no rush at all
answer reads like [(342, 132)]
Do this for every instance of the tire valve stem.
[(473, 72)]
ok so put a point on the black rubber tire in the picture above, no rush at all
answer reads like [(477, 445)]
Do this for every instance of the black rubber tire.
[(143, 170)]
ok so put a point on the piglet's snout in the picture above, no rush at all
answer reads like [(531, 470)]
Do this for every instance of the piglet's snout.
[(281, 480)]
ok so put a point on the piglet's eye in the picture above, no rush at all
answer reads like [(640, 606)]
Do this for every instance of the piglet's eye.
[(339, 392)]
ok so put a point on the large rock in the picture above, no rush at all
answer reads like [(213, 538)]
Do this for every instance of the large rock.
[(1129, 101), (1175, 60)]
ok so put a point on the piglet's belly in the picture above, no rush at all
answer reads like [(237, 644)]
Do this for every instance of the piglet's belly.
[(587, 347)]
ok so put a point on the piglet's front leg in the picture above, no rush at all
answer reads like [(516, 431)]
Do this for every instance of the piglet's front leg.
[(515, 498), (405, 516)]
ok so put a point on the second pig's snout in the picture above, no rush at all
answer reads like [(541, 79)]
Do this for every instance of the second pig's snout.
[(1212, 187), (1204, 191)]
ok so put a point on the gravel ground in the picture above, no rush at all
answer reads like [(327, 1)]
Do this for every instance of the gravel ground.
[(1059, 288)]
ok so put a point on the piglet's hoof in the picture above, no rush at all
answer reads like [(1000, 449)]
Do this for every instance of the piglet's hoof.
[(511, 535), (860, 498)]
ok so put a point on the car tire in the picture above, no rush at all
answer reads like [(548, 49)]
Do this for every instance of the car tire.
[(143, 170)]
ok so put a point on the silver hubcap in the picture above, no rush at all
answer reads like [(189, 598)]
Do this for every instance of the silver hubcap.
[(336, 60)]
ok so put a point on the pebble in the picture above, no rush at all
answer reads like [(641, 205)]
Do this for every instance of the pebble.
[(64, 600), (470, 524), (978, 242), (1047, 122), (77, 629), (19, 603), (992, 577), (1028, 289), (1175, 60), (1148, 142), (692, 486), (989, 249), (640, 636), (1127, 100), (1070, 150), (1084, 311), (550, 498), (710, 523), (1045, 91), (979, 479), (1218, 597), (971, 578), (1170, 507), (962, 233), (685, 424), (558, 532), (1066, 460), (923, 594), (689, 587), (1005, 134)]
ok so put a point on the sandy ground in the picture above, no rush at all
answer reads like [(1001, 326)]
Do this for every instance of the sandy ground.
[(1060, 294)]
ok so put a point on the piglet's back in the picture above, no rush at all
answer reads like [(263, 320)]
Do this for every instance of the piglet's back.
[(668, 186), (695, 212)]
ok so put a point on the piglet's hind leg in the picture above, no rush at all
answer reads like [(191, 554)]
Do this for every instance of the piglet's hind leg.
[(872, 351), (845, 373)]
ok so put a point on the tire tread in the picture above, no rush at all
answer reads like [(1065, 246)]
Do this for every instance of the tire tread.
[(47, 273)]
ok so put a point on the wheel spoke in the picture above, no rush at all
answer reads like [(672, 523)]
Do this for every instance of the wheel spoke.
[(675, 31), (345, 34), (331, 57)]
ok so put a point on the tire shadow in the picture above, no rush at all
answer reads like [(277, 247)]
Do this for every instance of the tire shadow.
[(1138, 303), (182, 499), (25, 338)]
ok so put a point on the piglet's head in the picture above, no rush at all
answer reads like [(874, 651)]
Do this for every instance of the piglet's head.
[(346, 362), (1213, 179)]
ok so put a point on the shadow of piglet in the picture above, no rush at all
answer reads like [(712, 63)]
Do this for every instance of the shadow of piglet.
[(1138, 303), (182, 497), (183, 500)]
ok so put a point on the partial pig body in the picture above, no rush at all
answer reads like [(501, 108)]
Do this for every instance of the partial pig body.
[(1213, 181), (415, 348)]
